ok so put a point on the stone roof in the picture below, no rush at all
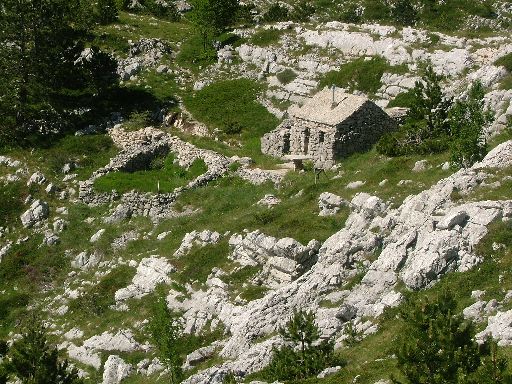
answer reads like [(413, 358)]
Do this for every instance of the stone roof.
[(320, 108)]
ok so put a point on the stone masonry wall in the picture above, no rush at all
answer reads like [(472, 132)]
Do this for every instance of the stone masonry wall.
[(325, 144)]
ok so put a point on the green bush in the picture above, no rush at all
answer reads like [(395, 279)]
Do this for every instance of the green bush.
[(302, 12), (232, 128), (276, 12), (437, 346), (363, 75), (166, 329), (286, 76), (31, 359), (107, 11), (404, 13), (12, 196)]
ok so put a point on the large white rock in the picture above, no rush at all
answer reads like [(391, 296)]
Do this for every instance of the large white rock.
[(151, 271), (330, 204), (196, 238), (499, 327), (36, 178), (115, 370), (37, 212)]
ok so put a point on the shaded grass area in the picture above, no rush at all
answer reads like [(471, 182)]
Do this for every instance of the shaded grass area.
[(167, 176), (12, 196), (96, 301), (361, 74), (198, 263)]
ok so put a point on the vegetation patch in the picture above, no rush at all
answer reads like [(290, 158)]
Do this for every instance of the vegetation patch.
[(199, 262), (360, 74), (163, 176), (97, 300), (266, 37), (286, 76), (224, 103)]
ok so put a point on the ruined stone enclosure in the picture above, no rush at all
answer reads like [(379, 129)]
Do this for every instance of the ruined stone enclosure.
[(329, 126)]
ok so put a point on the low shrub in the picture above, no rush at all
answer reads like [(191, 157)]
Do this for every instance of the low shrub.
[(302, 12), (404, 99), (286, 76), (305, 355)]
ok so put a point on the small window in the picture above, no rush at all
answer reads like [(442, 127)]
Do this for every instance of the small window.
[(321, 137)]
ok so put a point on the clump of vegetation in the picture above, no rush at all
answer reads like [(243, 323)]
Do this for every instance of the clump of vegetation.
[(438, 346), (211, 17), (286, 76), (32, 359), (11, 196), (107, 11), (467, 118), (404, 99), (360, 74), (304, 356), (302, 11), (100, 297)]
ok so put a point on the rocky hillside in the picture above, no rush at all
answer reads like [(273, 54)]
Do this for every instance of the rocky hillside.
[(173, 198)]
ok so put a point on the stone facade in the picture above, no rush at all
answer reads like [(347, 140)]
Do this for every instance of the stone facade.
[(325, 131)]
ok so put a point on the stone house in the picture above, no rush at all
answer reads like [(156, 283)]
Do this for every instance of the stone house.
[(329, 126)]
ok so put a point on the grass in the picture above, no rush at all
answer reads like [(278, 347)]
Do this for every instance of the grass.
[(266, 37), (192, 54), (505, 61), (166, 174), (233, 101), (12, 196), (360, 74), (198, 263), (97, 300)]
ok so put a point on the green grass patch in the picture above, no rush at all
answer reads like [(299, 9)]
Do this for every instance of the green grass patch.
[(97, 300), (198, 263), (194, 56), (506, 83), (505, 61), (233, 101), (12, 196), (360, 74), (163, 172), (404, 99), (266, 37)]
